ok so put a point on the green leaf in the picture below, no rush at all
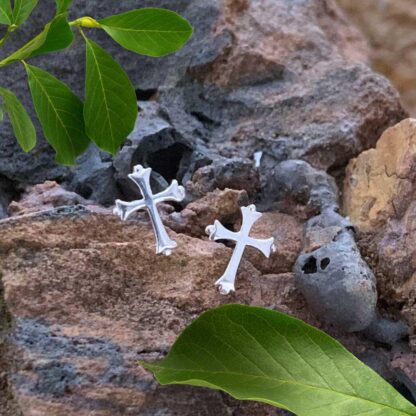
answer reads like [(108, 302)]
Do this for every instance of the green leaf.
[(1, 113), (55, 36), (110, 109), (62, 5), (258, 354), (60, 113), (22, 124), (5, 12), (148, 31), (22, 10)]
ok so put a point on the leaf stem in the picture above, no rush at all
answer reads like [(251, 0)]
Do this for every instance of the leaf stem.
[(10, 29), (85, 21)]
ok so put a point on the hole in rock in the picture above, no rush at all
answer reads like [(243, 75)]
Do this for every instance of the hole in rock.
[(167, 162), (325, 263), (351, 228), (310, 266), (146, 95)]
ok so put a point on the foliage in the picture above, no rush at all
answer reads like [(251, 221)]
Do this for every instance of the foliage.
[(110, 109), (259, 354)]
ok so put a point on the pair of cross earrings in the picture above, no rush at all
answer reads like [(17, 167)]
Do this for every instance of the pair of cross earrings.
[(165, 245)]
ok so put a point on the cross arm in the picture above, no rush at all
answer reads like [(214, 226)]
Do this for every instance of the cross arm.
[(265, 246), (125, 209), (218, 232), (174, 192)]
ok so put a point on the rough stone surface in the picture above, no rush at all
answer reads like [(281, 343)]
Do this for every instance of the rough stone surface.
[(94, 177), (155, 143), (88, 300), (287, 232), (386, 331), (336, 270), (380, 182), (223, 206), (404, 364), (379, 197), (296, 187), (236, 173), (230, 92), (7, 192), (389, 27), (43, 197)]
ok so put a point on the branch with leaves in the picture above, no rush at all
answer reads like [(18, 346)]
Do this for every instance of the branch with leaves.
[(109, 111)]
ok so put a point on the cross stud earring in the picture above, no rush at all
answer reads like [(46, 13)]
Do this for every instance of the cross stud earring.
[(226, 283), (175, 192)]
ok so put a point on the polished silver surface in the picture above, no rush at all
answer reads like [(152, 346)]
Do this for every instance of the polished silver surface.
[(175, 192), (226, 283)]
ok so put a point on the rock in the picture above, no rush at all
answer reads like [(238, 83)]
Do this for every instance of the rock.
[(155, 143), (235, 173), (389, 27), (287, 232), (385, 331), (378, 197), (223, 206), (7, 192), (93, 178), (296, 185), (79, 333), (88, 299), (243, 94), (379, 182), (330, 265), (336, 282), (403, 363), (43, 197)]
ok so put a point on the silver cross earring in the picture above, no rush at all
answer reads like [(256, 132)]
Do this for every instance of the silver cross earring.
[(226, 283), (175, 192)]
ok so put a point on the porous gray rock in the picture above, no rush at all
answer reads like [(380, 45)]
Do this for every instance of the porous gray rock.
[(295, 183), (94, 177), (330, 272), (386, 331), (333, 277), (156, 144), (222, 173)]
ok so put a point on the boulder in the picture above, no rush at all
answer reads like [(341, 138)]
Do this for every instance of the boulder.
[(330, 265), (287, 232), (223, 206), (380, 182), (88, 298), (332, 275), (379, 194), (297, 187), (43, 197), (389, 27)]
